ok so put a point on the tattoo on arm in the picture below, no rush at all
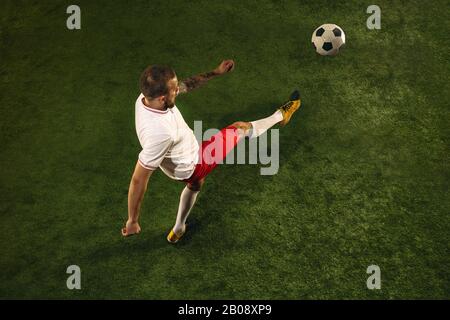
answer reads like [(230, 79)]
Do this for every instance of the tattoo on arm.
[(196, 81)]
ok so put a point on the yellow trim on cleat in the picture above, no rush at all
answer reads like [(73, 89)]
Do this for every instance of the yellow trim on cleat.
[(172, 237), (288, 109)]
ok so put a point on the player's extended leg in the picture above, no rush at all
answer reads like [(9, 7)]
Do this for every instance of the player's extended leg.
[(282, 116), (216, 149)]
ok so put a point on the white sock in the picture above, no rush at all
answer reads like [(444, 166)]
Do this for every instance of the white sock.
[(187, 200), (261, 126)]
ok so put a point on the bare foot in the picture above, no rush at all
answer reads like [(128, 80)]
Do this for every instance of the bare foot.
[(131, 228)]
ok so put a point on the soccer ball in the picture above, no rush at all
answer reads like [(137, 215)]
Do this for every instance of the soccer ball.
[(327, 39)]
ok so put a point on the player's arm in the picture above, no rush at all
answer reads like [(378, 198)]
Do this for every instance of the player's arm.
[(138, 186), (196, 81)]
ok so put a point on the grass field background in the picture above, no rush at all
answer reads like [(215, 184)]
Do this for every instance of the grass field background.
[(364, 165)]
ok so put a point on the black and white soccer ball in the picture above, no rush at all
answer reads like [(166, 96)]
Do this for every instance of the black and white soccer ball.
[(328, 39)]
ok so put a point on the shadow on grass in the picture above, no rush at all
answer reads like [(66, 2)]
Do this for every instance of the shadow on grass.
[(137, 245)]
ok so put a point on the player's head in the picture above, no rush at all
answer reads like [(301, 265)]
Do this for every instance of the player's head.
[(160, 83)]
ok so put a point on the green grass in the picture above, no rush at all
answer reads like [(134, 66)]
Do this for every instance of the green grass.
[(364, 165)]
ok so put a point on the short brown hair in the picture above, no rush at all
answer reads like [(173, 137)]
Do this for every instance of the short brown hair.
[(153, 82)]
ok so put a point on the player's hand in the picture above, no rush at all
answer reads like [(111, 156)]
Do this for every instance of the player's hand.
[(131, 228), (224, 67)]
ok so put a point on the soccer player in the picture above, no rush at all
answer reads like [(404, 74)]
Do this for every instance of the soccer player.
[(168, 142)]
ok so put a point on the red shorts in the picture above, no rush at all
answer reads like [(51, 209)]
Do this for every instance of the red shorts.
[(214, 151)]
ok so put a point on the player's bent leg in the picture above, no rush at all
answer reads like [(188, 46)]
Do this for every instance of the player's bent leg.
[(187, 201), (196, 185)]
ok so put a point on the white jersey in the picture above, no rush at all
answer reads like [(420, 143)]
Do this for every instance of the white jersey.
[(167, 141)]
